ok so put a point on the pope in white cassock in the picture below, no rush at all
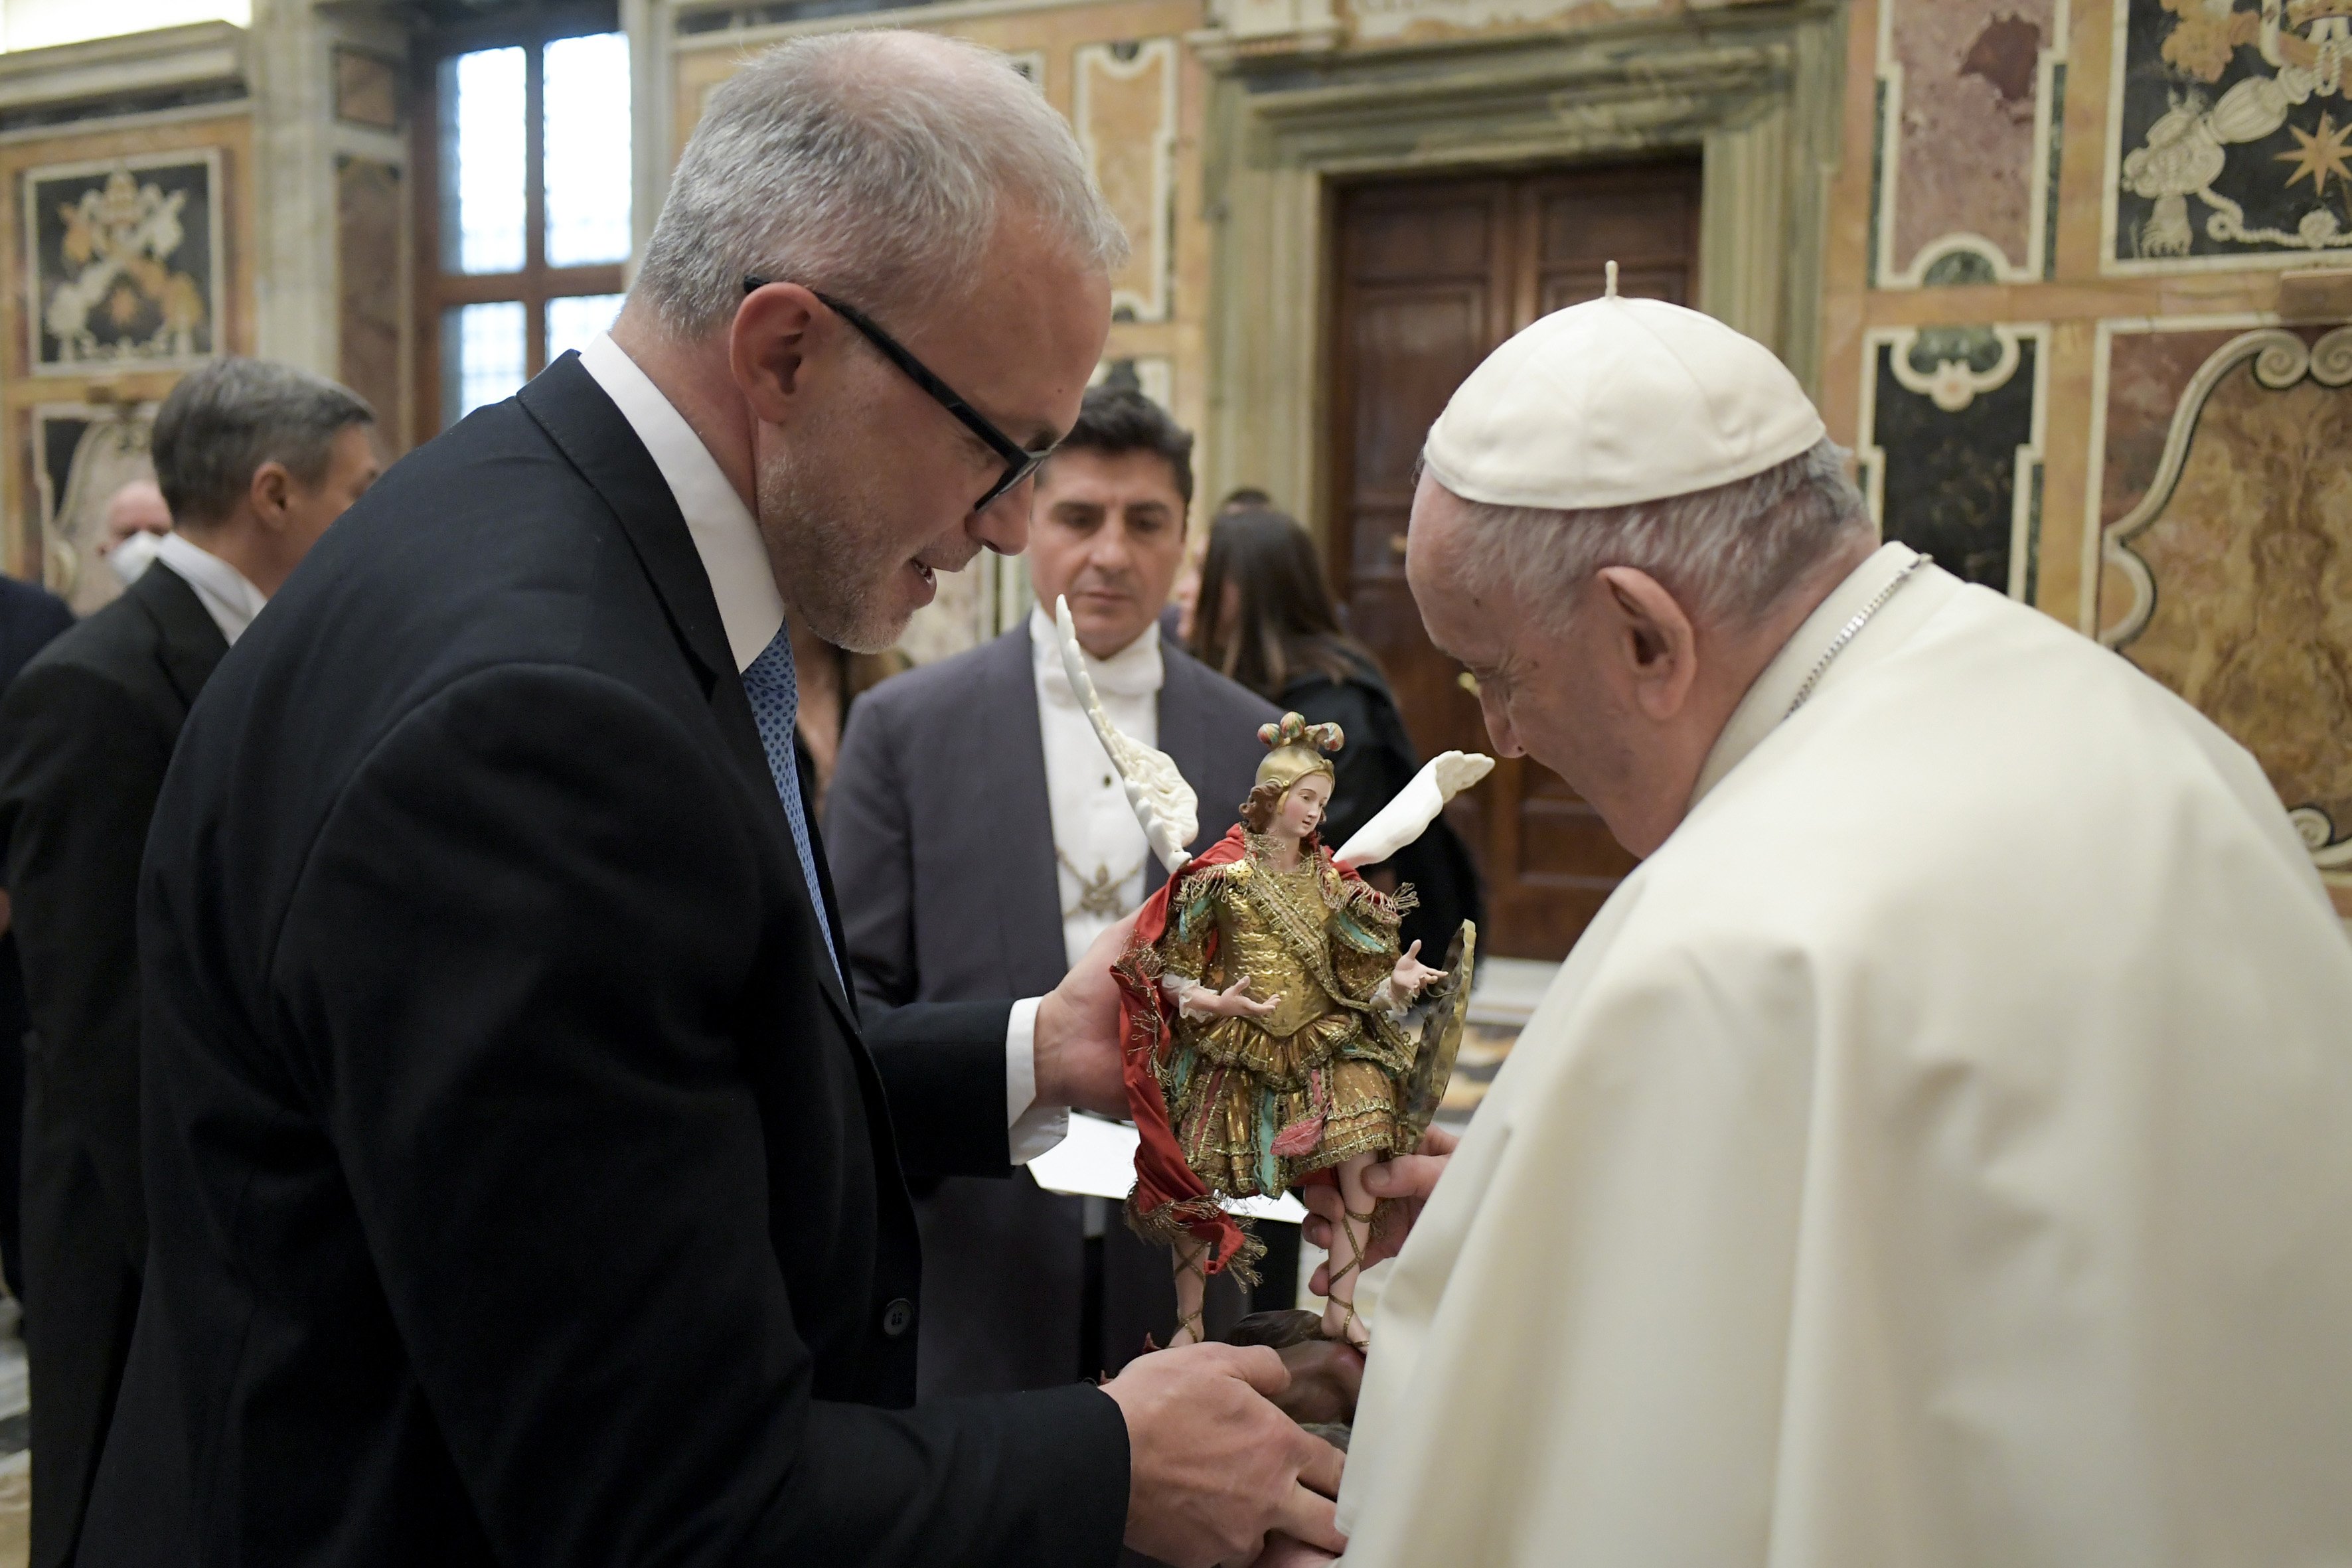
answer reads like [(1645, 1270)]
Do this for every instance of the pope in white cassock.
[(1939, 1151)]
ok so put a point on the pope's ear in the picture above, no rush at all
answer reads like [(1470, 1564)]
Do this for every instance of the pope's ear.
[(1652, 641), (779, 332)]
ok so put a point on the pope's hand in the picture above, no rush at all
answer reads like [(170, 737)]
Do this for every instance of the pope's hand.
[(1402, 1184), (1079, 1050), (1213, 1468), (1281, 1551)]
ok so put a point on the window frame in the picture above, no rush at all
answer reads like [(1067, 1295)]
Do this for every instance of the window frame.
[(439, 289)]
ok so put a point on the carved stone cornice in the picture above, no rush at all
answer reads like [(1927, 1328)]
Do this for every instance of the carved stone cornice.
[(204, 61)]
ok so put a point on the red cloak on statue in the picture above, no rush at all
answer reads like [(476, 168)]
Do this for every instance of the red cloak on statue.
[(1169, 1199)]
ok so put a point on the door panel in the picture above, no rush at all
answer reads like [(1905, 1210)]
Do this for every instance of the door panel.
[(1431, 275)]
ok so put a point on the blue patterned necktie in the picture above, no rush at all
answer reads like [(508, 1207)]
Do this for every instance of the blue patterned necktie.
[(776, 695)]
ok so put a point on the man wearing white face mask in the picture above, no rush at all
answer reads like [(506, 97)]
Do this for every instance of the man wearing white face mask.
[(980, 841), (137, 520)]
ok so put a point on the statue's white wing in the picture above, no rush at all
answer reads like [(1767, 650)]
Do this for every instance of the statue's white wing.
[(1416, 806), (1162, 800)]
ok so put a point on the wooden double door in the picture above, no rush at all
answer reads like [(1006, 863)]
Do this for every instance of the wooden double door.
[(1431, 275)]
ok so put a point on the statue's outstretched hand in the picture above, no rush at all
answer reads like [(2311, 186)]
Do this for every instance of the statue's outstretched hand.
[(1413, 975), (1233, 1002), (1402, 1184)]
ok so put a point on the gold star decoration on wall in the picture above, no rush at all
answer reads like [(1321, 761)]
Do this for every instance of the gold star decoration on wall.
[(2321, 156)]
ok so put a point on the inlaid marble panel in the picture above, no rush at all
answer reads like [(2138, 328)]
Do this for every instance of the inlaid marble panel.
[(368, 242), (82, 454), (126, 262), (1952, 424), (2229, 128), (1124, 109), (2234, 554), (1970, 101)]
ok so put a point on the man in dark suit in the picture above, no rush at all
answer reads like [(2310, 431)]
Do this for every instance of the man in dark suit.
[(255, 459), (976, 786), (523, 1186), (30, 619)]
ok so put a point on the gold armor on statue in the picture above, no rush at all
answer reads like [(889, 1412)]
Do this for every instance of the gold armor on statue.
[(1288, 1053)]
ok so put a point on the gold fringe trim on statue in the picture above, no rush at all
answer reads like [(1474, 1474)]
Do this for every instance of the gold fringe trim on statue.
[(1168, 1226)]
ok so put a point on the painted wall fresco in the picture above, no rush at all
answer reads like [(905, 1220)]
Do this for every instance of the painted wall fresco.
[(126, 262), (2231, 122), (1969, 100), (1953, 448), (2235, 546)]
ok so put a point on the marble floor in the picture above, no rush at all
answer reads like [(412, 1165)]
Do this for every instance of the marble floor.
[(16, 1458)]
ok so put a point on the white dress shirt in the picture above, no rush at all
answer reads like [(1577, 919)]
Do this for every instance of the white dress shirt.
[(227, 595), (1097, 839), (727, 538)]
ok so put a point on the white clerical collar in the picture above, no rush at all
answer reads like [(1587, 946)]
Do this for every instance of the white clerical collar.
[(225, 592), (1767, 702), (1135, 670), (726, 535)]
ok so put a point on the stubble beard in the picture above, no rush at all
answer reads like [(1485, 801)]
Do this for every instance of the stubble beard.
[(836, 550)]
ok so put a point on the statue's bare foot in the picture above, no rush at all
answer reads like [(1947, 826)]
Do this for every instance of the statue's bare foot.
[(1341, 1324)]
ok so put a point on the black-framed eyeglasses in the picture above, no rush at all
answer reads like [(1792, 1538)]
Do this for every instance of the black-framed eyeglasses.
[(1020, 462)]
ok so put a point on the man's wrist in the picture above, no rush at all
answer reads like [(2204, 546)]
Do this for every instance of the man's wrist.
[(1049, 1050)]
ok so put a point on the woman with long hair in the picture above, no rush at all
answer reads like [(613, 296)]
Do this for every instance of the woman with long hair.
[(1265, 619)]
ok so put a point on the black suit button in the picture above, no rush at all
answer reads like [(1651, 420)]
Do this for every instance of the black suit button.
[(897, 1317)]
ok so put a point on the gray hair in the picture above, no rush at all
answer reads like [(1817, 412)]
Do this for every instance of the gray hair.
[(1728, 554), (229, 416), (869, 164)]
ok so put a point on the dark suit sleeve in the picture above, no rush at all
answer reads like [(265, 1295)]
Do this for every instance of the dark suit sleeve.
[(81, 762), (510, 967), (871, 849), (942, 1064)]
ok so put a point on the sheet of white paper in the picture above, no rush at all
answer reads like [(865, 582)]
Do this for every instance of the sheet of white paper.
[(1097, 1160)]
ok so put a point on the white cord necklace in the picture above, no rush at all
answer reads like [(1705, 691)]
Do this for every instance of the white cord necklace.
[(1846, 633)]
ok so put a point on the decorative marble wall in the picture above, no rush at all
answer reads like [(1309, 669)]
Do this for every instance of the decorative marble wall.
[(2226, 512), (2231, 121), (371, 238), (134, 248), (2193, 501), (1124, 110), (1968, 94), (1952, 460)]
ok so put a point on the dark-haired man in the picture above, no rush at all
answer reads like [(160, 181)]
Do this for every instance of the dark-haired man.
[(254, 459), (980, 841)]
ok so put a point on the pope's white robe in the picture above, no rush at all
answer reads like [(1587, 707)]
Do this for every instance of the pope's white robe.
[(1938, 1153)]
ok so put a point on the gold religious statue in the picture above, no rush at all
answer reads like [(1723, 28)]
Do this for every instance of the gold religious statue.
[(1275, 1036)]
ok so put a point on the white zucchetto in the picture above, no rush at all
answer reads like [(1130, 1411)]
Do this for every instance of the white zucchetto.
[(1617, 401)]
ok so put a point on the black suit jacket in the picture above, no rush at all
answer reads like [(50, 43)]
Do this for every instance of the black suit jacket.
[(30, 618), (86, 733), (522, 1189)]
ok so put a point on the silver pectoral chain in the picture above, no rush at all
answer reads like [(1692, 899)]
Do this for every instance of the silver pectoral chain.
[(1847, 632)]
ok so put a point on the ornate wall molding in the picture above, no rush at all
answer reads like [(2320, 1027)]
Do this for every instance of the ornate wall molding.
[(2281, 360), (1755, 89), (2254, 634)]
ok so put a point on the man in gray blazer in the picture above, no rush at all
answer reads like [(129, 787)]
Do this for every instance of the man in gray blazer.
[(980, 840)]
